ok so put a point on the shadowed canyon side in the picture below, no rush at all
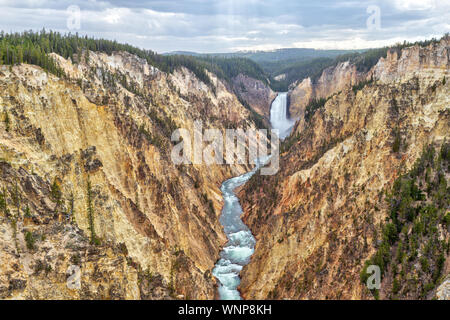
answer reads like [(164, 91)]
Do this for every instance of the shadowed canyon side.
[(87, 180), (331, 207), (257, 94)]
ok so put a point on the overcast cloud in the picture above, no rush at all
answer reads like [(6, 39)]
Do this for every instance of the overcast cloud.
[(230, 25)]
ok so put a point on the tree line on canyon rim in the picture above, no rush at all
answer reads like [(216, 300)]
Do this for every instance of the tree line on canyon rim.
[(33, 48)]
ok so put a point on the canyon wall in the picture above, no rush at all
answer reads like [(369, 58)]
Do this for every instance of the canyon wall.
[(257, 94), (332, 80), (87, 181), (320, 218)]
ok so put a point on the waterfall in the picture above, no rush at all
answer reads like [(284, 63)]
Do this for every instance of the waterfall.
[(279, 116), (241, 243)]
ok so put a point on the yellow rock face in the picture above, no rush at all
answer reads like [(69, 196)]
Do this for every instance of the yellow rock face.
[(332, 80), (156, 223), (314, 219)]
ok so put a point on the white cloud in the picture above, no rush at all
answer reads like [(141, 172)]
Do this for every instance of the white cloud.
[(114, 15), (416, 4), (219, 26)]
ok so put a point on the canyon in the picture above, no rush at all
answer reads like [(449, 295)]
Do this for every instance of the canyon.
[(88, 190)]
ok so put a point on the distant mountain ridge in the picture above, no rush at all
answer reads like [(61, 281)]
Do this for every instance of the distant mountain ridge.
[(272, 55), (284, 62)]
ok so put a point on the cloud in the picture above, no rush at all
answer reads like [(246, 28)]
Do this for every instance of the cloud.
[(415, 4), (115, 15), (227, 25)]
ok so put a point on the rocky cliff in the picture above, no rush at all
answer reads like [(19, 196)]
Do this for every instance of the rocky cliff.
[(257, 94), (87, 181), (324, 214), (332, 80)]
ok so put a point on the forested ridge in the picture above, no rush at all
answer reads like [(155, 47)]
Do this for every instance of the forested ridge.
[(302, 70), (228, 68), (34, 47)]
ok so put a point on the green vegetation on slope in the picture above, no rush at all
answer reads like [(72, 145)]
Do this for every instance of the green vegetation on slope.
[(313, 106), (310, 68), (412, 253), (228, 68), (30, 48), (276, 60)]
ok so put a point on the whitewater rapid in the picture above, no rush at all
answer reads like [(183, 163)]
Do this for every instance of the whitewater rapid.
[(241, 243)]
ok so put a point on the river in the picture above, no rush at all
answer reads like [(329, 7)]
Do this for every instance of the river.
[(241, 243)]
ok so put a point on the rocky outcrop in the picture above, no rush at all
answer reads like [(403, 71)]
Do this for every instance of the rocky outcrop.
[(443, 292), (299, 98), (333, 79), (90, 156), (413, 60), (319, 218)]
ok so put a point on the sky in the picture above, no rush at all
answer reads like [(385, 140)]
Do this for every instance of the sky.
[(232, 25)]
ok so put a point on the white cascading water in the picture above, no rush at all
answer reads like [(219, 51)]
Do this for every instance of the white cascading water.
[(279, 116), (241, 243)]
